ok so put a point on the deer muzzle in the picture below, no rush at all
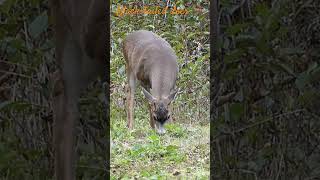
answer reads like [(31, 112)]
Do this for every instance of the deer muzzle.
[(160, 128)]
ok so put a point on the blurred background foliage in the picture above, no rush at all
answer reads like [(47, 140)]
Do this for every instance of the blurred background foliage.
[(26, 63), (266, 90)]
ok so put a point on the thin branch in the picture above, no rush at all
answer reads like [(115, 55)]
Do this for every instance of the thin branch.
[(16, 74), (248, 172), (90, 167), (17, 64), (268, 120)]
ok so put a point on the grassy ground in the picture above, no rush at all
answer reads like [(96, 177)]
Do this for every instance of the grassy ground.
[(182, 153)]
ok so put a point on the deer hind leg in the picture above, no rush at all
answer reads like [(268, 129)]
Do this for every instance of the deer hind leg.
[(130, 99), (65, 114), (58, 123), (67, 91)]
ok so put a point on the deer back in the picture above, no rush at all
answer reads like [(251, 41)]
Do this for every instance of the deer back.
[(152, 60), (84, 23)]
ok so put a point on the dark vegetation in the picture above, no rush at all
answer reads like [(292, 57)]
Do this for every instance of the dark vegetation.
[(265, 90), (26, 63)]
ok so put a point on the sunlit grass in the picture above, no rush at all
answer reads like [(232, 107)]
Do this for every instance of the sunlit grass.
[(183, 152)]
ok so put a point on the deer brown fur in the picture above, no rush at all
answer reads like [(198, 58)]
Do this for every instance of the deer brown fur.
[(81, 46), (151, 61)]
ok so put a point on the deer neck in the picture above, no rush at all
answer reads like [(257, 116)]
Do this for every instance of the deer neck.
[(162, 79)]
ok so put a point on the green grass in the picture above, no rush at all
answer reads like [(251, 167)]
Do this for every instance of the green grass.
[(182, 153)]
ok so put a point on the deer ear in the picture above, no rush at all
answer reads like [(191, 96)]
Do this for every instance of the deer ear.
[(148, 95), (172, 96)]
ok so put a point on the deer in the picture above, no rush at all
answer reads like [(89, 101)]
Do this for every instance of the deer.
[(81, 54), (150, 61)]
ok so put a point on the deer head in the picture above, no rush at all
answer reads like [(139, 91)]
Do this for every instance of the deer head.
[(160, 109)]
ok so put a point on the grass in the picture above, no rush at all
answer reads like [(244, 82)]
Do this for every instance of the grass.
[(182, 153)]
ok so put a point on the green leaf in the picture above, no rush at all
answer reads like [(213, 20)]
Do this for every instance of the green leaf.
[(302, 80), (236, 111), (236, 28), (150, 27), (191, 35), (5, 104), (245, 41), (18, 44), (308, 76), (38, 25), (312, 67), (263, 43), (6, 5), (234, 55), (284, 67), (171, 148), (153, 138), (252, 165), (307, 97), (315, 74), (231, 73), (290, 51), (14, 105), (262, 10)]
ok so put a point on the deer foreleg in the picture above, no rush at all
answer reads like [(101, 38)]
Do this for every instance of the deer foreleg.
[(67, 89), (65, 114), (58, 124), (151, 118), (130, 100)]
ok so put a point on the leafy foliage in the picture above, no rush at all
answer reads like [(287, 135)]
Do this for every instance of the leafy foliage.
[(26, 62), (268, 129)]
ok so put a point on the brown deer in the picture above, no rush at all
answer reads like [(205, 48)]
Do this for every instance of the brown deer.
[(151, 61), (81, 50)]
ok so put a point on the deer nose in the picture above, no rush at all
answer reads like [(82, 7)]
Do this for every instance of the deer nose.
[(160, 128), (161, 131)]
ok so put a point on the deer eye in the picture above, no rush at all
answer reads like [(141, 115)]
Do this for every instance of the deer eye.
[(168, 117)]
